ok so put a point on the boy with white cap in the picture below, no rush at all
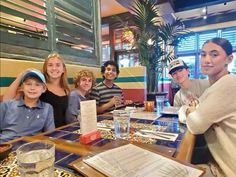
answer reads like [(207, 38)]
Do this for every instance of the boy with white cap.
[(28, 115), (189, 89)]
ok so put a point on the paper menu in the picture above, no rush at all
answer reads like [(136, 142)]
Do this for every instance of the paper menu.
[(133, 161), (88, 119)]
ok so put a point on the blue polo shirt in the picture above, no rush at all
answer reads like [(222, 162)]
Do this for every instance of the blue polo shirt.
[(16, 119)]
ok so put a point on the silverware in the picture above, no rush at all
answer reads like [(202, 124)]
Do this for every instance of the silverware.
[(150, 133), (158, 133), (103, 128)]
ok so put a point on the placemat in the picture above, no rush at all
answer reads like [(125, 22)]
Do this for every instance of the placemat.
[(9, 168)]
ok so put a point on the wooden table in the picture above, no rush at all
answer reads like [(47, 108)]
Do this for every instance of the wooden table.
[(183, 152)]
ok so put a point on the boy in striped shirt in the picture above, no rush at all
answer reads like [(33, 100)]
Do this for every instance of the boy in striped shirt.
[(108, 95)]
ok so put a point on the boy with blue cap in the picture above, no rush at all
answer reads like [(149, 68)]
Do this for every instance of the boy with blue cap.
[(28, 115)]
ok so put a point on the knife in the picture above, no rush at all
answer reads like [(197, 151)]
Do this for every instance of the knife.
[(149, 133), (157, 133)]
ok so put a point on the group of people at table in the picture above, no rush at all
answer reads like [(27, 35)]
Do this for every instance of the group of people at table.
[(37, 102)]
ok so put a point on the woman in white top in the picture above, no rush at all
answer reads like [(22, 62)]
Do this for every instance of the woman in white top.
[(215, 113)]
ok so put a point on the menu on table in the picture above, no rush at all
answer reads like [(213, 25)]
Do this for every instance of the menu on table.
[(130, 160)]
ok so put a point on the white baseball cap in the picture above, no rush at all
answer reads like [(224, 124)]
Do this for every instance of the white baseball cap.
[(176, 65)]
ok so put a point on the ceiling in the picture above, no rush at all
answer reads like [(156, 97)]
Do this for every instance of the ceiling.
[(218, 11), (190, 11), (111, 7)]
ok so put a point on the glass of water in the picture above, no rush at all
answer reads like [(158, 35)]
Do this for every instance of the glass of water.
[(160, 102), (121, 120), (36, 159)]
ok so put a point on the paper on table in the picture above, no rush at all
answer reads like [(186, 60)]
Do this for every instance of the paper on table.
[(88, 119), (104, 125), (145, 115), (170, 110), (130, 160)]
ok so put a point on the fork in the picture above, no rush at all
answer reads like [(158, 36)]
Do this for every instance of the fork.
[(150, 133)]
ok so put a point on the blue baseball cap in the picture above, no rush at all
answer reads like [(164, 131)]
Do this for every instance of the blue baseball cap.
[(35, 74)]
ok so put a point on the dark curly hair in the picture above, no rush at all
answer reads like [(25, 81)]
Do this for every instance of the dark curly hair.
[(113, 63)]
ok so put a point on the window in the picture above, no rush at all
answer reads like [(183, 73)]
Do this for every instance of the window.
[(126, 60), (232, 65), (105, 53), (201, 75), (125, 53), (190, 46), (40, 27), (190, 62), (106, 49), (230, 34), (203, 37)]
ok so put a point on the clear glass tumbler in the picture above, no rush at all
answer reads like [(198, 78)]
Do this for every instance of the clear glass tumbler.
[(160, 102), (121, 120), (36, 159)]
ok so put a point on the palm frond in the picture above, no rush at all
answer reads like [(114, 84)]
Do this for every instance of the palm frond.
[(145, 16)]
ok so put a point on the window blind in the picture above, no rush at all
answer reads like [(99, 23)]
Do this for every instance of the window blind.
[(203, 37), (188, 43), (230, 34)]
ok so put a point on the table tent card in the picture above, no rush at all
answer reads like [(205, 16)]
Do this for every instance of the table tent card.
[(88, 122)]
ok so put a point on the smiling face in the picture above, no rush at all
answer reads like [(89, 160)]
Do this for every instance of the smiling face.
[(110, 73), (85, 84), (33, 88), (180, 75), (214, 60), (55, 68)]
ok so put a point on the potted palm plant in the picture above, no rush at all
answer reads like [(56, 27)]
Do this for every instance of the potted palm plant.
[(154, 40)]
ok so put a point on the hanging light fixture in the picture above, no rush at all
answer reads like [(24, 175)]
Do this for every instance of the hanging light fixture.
[(205, 12)]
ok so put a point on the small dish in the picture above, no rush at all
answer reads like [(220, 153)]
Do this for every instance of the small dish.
[(5, 149)]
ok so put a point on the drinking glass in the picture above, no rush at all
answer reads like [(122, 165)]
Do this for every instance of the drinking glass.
[(149, 106), (160, 101), (36, 159), (121, 120)]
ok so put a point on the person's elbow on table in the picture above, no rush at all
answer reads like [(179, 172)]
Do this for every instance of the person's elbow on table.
[(187, 116), (182, 114)]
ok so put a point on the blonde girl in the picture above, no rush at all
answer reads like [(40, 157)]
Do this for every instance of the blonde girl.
[(57, 92)]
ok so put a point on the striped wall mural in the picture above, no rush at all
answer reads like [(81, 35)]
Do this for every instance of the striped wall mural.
[(10, 68), (133, 82), (131, 79)]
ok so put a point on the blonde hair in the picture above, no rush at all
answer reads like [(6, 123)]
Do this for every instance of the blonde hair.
[(63, 81), (84, 73)]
